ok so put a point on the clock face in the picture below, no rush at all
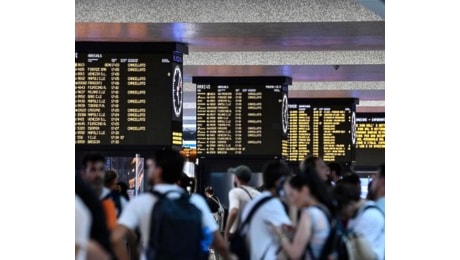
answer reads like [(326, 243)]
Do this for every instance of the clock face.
[(177, 91), (285, 114), (353, 128)]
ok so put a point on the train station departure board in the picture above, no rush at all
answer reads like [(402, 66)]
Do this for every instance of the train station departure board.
[(370, 139), (128, 93), (322, 127), (245, 116)]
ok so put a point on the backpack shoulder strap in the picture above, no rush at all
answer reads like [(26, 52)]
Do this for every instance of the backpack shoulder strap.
[(246, 192), (374, 207), (254, 209)]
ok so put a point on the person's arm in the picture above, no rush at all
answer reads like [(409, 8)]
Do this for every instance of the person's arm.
[(221, 246), (296, 248), (118, 239), (234, 205), (95, 252), (232, 215)]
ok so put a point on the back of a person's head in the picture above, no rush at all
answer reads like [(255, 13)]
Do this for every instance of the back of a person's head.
[(310, 178), (110, 177), (92, 157), (351, 178), (310, 161), (345, 193), (272, 172), (336, 168), (171, 164)]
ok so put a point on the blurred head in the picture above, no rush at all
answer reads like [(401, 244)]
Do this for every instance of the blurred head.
[(184, 181), (336, 171), (274, 174), (307, 188), (150, 163), (378, 182), (209, 191), (347, 198), (352, 179), (242, 175), (111, 179), (94, 170), (318, 164), (166, 167)]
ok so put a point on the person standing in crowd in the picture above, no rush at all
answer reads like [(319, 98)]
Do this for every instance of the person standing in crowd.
[(238, 197), (215, 206), (361, 216), (336, 171), (378, 187), (261, 242), (122, 188), (165, 173), (320, 167), (308, 192), (99, 235), (94, 174), (110, 191)]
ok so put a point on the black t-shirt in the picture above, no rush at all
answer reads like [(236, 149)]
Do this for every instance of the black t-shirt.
[(212, 204), (99, 231)]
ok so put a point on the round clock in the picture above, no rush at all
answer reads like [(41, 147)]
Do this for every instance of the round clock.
[(285, 114), (177, 91)]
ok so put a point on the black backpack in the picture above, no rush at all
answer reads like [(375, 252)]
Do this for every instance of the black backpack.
[(343, 244), (238, 244), (175, 229)]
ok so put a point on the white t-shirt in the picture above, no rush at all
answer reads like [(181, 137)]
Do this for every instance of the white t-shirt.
[(320, 228), (238, 198), (138, 212), (82, 227), (371, 224), (261, 240)]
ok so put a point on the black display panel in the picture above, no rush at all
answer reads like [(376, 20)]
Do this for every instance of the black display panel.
[(370, 139), (242, 116), (128, 94), (322, 127)]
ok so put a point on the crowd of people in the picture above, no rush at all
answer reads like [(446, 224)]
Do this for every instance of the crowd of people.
[(292, 216)]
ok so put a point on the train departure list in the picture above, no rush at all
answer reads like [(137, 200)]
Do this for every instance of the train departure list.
[(370, 139), (321, 127), (241, 120), (120, 99)]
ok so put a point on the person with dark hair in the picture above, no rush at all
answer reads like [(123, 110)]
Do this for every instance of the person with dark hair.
[(99, 232), (164, 172), (271, 213), (352, 179), (336, 171), (361, 216), (370, 194), (309, 193), (123, 189), (378, 187), (93, 173), (320, 167), (184, 182), (238, 197), (110, 191)]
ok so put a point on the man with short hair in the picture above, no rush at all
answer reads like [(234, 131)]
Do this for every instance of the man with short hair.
[(164, 172), (261, 242), (238, 197), (378, 187), (93, 173)]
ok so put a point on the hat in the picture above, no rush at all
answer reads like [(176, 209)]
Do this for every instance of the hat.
[(243, 172)]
